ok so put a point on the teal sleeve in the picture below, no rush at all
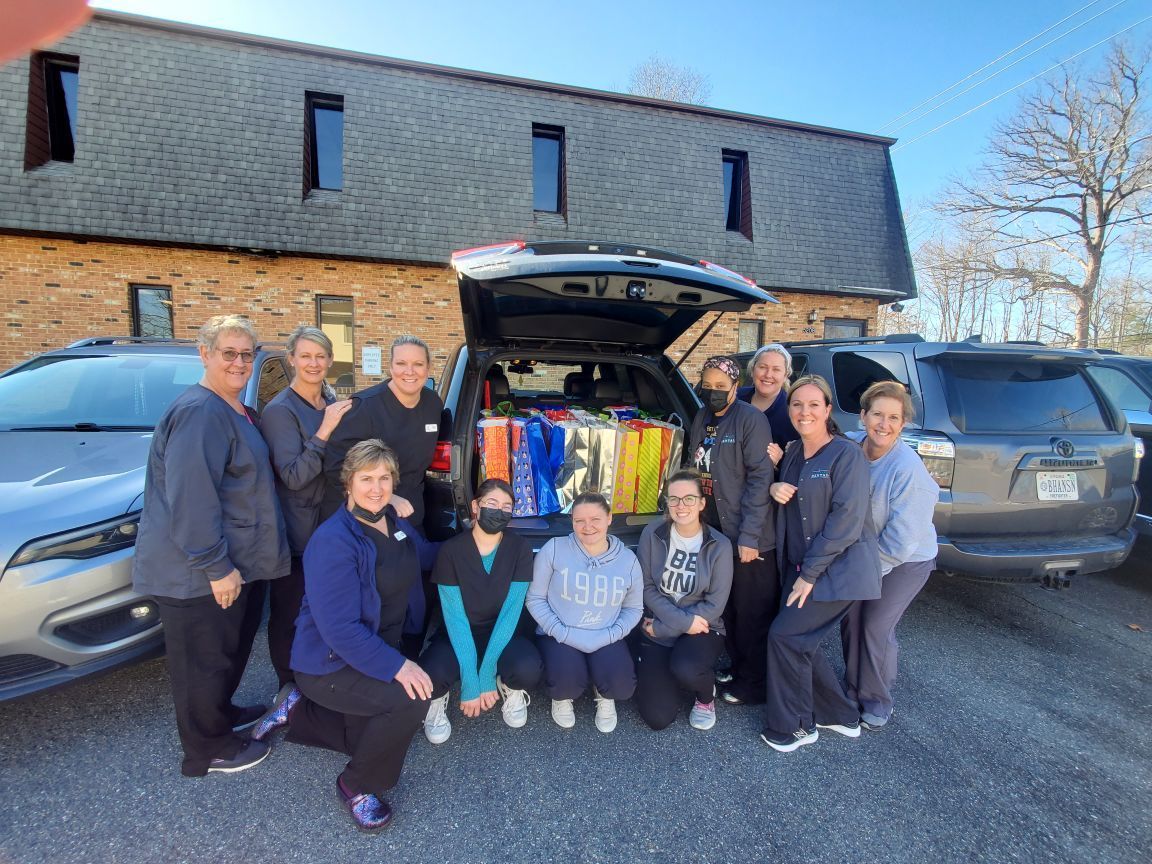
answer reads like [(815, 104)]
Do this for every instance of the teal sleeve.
[(502, 634), (460, 635)]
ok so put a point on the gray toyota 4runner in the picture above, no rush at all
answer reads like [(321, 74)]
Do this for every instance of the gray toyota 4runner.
[(1036, 467)]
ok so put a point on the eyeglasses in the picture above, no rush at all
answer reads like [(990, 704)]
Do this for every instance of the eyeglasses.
[(496, 505), (230, 356), (686, 500)]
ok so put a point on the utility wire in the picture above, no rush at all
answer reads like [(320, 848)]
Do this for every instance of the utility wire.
[(1074, 231), (987, 102), (1004, 69), (988, 65)]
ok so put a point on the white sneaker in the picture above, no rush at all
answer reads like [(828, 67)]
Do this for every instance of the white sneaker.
[(563, 713), (515, 707), (605, 713), (702, 716), (437, 726)]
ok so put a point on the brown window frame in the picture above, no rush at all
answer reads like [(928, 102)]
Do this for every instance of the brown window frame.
[(50, 134)]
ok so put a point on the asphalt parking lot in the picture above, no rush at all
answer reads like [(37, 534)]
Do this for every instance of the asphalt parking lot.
[(1021, 734)]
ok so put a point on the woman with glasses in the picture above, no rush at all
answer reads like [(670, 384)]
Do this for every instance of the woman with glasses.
[(828, 560), (482, 577), (211, 536), (687, 569), (729, 443), (296, 423), (587, 594)]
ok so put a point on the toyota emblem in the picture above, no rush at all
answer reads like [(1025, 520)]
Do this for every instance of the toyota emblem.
[(1063, 448)]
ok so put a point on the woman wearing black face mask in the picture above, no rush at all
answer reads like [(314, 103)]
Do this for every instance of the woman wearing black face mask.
[(729, 446), (483, 576)]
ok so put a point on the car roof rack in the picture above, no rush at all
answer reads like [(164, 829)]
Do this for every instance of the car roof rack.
[(113, 340), (890, 338)]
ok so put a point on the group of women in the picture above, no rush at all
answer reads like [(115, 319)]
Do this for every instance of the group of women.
[(782, 529)]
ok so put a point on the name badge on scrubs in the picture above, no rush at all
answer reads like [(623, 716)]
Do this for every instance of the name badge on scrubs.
[(400, 535), (431, 427)]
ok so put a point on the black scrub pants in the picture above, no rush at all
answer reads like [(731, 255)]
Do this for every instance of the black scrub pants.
[(208, 649), (519, 665), (370, 720), (805, 690), (751, 608), (284, 597), (663, 673), (568, 670)]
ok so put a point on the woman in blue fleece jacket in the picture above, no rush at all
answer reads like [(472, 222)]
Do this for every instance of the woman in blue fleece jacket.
[(357, 692), (482, 576)]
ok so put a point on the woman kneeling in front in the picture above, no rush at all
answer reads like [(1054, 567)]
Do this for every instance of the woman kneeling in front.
[(482, 577), (587, 594), (687, 568), (357, 693)]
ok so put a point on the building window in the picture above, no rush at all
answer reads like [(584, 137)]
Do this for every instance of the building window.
[(324, 142), (751, 335), (845, 328), (737, 193), (334, 317), (547, 168), (52, 88), (151, 311)]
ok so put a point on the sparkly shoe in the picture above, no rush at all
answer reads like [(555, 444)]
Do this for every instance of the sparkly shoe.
[(370, 813), (279, 714)]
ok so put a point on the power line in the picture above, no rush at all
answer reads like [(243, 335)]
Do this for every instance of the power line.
[(989, 64), (987, 102), (1074, 231), (1001, 71)]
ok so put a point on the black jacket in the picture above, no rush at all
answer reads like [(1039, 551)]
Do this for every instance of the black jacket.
[(741, 473), (289, 426), (842, 557)]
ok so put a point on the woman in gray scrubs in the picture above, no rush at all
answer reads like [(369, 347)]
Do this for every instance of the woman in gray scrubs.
[(211, 535)]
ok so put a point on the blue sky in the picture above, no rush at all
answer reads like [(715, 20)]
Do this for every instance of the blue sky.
[(852, 65)]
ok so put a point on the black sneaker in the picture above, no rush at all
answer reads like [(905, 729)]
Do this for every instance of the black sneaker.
[(246, 716), (788, 743), (724, 676), (731, 697), (252, 753)]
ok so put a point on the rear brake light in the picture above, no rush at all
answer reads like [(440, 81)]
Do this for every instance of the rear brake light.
[(724, 271), (442, 457), (495, 248), (937, 452)]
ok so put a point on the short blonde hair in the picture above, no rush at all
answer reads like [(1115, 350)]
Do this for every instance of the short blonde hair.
[(369, 454), (889, 390), (211, 329), (310, 334)]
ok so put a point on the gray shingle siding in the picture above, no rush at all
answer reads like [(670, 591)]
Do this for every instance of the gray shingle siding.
[(186, 137)]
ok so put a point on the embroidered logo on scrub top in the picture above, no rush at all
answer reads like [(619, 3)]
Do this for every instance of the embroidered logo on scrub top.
[(431, 427), (819, 474)]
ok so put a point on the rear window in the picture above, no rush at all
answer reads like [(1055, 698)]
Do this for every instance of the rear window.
[(1021, 396)]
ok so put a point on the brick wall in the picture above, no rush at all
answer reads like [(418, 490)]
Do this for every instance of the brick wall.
[(55, 291)]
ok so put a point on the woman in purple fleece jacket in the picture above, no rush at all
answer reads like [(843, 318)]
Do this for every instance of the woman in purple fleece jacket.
[(587, 594)]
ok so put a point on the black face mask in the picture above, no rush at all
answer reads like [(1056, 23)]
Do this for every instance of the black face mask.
[(368, 515), (493, 521), (714, 400)]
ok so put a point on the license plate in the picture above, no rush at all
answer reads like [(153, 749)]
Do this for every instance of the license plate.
[(1057, 486)]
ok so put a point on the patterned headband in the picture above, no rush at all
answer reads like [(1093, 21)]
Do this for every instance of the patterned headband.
[(726, 365)]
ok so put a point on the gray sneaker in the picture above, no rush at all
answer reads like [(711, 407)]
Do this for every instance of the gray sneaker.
[(515, 707), (702, 716), (437, 726), (873, 722)]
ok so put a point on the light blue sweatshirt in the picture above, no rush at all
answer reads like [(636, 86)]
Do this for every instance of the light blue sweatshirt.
[(904, 495), (582, 601)]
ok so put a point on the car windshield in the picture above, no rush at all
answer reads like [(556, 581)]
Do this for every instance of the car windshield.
[(1022, 396), (91, 393)]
